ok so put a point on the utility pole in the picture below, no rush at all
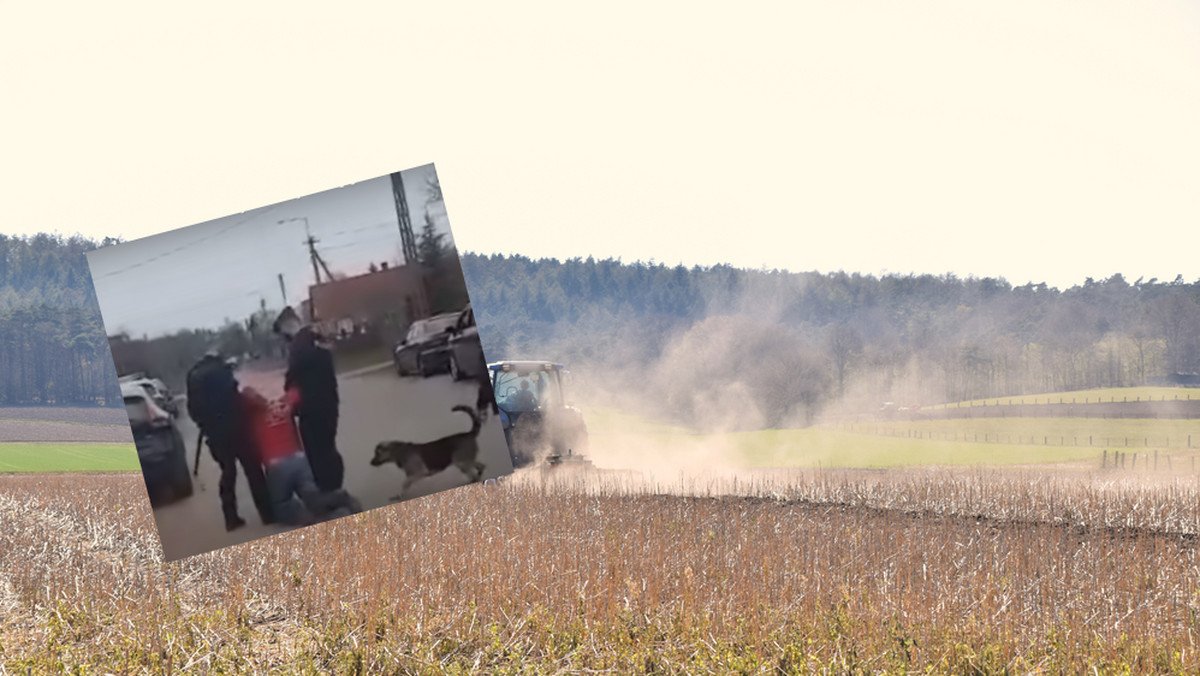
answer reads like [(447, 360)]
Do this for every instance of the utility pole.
[(407, 240), (314, 257), (312, 251)]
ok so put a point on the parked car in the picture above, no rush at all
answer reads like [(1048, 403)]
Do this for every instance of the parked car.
[(157, 390), (461, 354), (423, 335), (160, 446), (466, 352)]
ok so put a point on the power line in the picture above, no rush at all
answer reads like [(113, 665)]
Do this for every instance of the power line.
[(376, 226), (177, 249), (365, 240), (382, 224)]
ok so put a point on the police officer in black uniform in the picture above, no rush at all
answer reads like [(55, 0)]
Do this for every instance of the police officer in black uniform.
[(311, 370), (213, 404)]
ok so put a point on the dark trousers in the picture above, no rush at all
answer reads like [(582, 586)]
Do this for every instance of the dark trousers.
[(228, 454), (319, 434)]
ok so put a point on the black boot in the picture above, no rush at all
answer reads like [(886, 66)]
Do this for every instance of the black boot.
[(233, 523)]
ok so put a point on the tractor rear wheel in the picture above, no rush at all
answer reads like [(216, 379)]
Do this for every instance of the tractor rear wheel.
[(528, 436)]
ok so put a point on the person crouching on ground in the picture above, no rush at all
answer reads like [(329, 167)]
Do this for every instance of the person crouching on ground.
[(288, 473)]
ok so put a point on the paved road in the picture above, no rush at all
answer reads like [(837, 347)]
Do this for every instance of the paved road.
[(376, 406)]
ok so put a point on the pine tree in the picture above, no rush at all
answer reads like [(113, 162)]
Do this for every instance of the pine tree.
[(431, 247)]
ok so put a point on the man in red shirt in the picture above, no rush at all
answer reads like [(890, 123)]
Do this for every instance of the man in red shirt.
[(287, 470)]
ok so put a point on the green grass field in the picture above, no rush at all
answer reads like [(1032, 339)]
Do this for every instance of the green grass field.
[(1095, 432), (53, 457), (826, 447), (1111, 394), (980, 441)]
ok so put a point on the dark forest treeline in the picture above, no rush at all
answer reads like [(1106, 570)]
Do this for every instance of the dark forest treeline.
[(53, 348), (830, 336), (848, 337)]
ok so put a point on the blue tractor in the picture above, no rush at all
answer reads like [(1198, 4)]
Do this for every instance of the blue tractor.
[(540, 425)]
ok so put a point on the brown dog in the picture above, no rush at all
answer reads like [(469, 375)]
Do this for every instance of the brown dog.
[(485, 401), (423, 460)]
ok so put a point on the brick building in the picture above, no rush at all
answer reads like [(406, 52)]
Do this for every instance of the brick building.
[(391, 296)]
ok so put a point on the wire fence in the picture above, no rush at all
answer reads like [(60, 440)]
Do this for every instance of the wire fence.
[(1042, 401), (1183, 441), (1150, 461)]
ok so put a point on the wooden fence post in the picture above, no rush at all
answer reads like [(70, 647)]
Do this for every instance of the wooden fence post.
[(1104, 460)]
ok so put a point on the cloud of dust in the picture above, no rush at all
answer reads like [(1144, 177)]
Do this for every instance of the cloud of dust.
[(764, 356), (753, 361), (724, 374), (686, 386), (661, 457)]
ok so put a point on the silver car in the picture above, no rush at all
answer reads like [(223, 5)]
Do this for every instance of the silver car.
[(466, 352), (160, 447)]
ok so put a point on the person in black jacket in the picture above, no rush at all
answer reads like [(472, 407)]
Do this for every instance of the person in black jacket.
[(311, 370), (213, 404)]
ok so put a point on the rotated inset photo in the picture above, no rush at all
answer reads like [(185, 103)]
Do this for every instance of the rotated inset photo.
[(300, 362)]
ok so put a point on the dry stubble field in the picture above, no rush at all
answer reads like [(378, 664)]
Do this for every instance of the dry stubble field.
[(73, 424), (949, 571), (84, 415)]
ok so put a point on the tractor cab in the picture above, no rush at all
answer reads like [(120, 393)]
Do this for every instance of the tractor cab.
[(523, 389), (535, 415)]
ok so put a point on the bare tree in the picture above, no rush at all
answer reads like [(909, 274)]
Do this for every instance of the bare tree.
[(844, 345), (1178, 320), (433, 188)]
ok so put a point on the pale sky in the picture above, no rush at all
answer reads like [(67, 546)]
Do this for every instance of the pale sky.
[(1038, 140), (197, 276)]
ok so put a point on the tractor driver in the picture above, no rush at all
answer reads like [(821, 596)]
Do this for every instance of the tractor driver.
[(523, 399)]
